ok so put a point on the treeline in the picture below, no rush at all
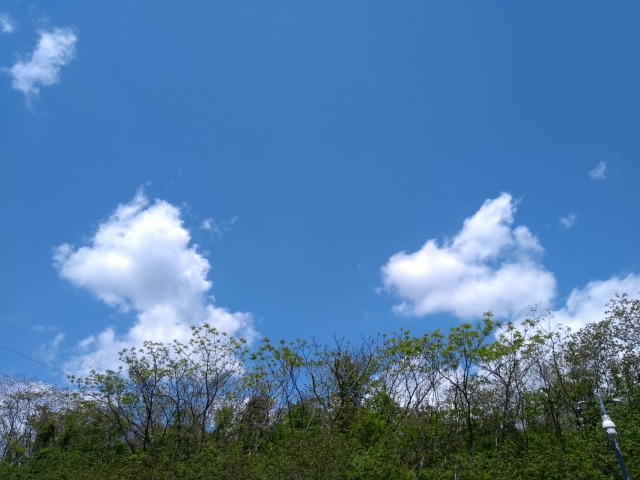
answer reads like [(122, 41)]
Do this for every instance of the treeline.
[(484, 401)]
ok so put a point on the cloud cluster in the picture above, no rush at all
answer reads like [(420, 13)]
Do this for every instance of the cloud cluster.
[(141, 260), (490, 265), (55, 49)]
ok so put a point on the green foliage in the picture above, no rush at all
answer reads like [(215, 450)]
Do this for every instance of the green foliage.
[(484, 401)]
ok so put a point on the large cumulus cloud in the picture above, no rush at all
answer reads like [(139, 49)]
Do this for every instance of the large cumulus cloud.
[(489, 265), (141, 259)]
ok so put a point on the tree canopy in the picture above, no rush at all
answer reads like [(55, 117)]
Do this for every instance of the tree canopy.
[(484, 400)]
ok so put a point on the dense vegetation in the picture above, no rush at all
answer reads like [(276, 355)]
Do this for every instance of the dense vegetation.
[(485, 401)]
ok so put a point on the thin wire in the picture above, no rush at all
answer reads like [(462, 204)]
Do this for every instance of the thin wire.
[(30, 319), (33, 359)]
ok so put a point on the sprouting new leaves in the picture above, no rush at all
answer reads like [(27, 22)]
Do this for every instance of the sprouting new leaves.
[(499, 399)]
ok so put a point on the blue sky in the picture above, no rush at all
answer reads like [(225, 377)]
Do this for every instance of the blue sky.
[(299, 169)]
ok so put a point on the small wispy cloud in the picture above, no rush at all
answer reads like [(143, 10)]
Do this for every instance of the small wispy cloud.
[(209, 224), (598, 173), (55, 49), (6, 24), (569, 220), (49, 351), (217, 228)]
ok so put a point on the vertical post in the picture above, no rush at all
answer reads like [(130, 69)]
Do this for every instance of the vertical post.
[(610, 429)]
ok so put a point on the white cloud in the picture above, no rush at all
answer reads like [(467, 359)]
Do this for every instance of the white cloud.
[(141, 260), (598, 173), (208, 224), (569, 220), (216, 228), (49, 351), (6, 25), (488, 265), (588, 305), (55, 49)]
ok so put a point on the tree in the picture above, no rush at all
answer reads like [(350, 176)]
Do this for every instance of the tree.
[(24, 404), (340, 377), (165, 391), (508, 361), (459, 364)]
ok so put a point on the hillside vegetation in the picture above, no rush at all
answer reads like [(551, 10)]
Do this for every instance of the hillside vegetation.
[(482, 401)]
